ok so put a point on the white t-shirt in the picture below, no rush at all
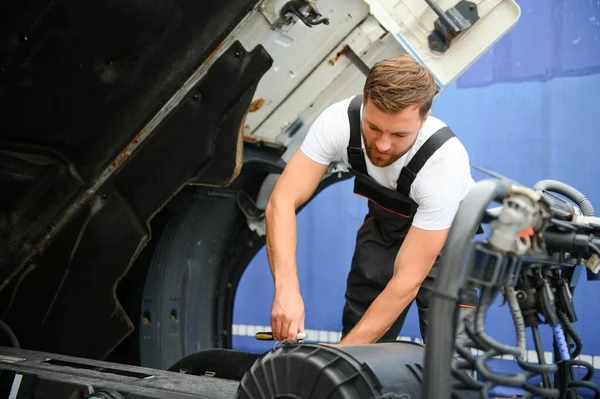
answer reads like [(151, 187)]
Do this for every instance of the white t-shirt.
[(438, 188)]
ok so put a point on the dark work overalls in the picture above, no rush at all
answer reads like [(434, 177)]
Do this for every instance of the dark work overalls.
[(385, 226)]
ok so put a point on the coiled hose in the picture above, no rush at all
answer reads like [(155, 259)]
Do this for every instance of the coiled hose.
[(561, 342), (568, 191), (572, 332), (517, 315)]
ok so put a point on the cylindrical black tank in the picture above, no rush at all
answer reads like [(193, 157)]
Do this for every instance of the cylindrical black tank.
[(302, 371)]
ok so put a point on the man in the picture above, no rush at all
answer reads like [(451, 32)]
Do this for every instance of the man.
[(413, 171)]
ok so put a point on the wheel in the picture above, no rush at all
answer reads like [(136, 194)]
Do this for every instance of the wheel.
[(178, 315)]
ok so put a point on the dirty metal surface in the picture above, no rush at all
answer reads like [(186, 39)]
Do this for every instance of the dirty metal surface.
[(297, 50), (86, 94), (50, 376), (117, 174)]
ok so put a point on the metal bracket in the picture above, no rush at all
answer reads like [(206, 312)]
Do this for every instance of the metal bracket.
[(280, 15), (305, 10), (451, 23), (356, 60), (255, 216)]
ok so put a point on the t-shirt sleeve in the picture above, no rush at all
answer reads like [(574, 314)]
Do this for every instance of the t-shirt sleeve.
[(324, 141), (440, 187)]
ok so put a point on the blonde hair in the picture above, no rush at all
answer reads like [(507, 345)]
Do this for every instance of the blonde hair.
[(399, 82)]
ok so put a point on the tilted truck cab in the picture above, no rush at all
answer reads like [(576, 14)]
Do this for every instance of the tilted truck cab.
[(141, 141)]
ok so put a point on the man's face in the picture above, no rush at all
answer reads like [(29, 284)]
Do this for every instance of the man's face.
[(387, 137)]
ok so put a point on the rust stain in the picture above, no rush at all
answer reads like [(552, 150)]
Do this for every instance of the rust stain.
[(256, 105), (128, 150), (338, 56), (213, 53), (248, 138)]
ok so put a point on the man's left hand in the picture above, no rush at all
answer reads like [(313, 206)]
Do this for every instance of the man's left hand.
[(413, 262)]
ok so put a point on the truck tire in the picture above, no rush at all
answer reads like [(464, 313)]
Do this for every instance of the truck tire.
[(184, 275)]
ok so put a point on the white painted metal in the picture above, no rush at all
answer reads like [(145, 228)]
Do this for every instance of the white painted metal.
[(307, 60), (296, 53), (322, 75), (411, 22)]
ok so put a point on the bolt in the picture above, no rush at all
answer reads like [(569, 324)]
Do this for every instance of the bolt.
[(173, 315), (146, 318)]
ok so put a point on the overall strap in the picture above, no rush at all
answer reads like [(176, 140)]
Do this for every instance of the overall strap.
[(356, 157), (409, 172)]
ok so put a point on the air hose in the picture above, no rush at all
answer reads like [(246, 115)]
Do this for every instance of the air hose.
[(568, 191), (515, 309)]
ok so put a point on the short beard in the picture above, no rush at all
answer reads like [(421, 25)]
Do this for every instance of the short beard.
[(371, 148)]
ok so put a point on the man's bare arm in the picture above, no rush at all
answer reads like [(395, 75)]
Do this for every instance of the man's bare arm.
[(294, 187), (413, 262)]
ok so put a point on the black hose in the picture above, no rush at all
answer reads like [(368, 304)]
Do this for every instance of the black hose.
[(573, 194), (454, 271), (537, 341), (517, 315), (10, 334), (486, 301)]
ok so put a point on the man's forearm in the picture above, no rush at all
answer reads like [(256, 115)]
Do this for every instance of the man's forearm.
[(382, 313), (413, 262), (281, 243)]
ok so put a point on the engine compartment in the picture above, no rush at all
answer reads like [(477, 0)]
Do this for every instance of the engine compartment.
[(114, 105), (540, 239)]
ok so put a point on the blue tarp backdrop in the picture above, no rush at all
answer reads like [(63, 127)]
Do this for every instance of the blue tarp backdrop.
[(528, 109)]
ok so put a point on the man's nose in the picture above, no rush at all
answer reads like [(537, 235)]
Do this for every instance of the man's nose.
[(383, 143)]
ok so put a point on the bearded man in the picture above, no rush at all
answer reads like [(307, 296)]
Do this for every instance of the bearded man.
[(414, 172)]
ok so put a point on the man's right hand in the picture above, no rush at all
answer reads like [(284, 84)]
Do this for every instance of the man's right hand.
[(287, 314), (296, 184)]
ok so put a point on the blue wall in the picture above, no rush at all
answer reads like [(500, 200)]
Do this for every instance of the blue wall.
[(528, 109)]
